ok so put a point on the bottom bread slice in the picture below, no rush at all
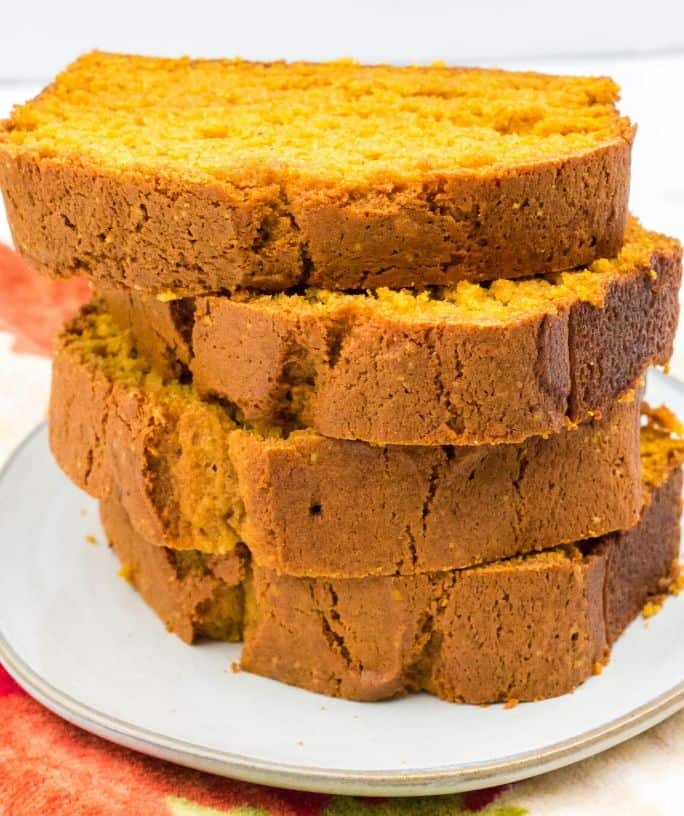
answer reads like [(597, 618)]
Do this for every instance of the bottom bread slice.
[(525, 628)]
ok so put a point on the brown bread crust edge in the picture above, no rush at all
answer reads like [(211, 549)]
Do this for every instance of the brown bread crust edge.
[(307, 505), (356, 374), (157, 234), (523, 629)]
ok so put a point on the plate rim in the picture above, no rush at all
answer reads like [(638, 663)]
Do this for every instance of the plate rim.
[(405, 782)]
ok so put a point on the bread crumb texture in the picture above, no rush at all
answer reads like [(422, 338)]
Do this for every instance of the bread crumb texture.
[(661, 443), (336, 123)]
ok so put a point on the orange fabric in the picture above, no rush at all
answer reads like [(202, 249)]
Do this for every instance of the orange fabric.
[(32, 307)]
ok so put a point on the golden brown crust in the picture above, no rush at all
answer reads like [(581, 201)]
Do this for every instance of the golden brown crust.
[(354, 372), (307, 505), (523, 629), (156, 235)]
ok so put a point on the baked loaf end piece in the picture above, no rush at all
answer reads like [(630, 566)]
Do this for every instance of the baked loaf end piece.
[(191, 476), (471, 364), (202, 175)]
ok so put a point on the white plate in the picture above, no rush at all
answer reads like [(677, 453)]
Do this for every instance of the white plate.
[(82, 642)]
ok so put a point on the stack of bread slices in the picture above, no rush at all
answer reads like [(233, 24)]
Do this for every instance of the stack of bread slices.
[(361, 380)]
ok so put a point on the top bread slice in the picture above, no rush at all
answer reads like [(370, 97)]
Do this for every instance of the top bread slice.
[(196, 176)]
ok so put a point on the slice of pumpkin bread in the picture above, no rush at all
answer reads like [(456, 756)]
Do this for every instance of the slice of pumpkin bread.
[(203, 175), (470, 365), (524, 628), (192, 476)]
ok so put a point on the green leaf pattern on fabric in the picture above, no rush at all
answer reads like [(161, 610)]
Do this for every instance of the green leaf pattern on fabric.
[(414, 806), (182, 807)]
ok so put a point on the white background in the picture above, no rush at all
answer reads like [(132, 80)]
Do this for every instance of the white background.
[(38, 37)]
